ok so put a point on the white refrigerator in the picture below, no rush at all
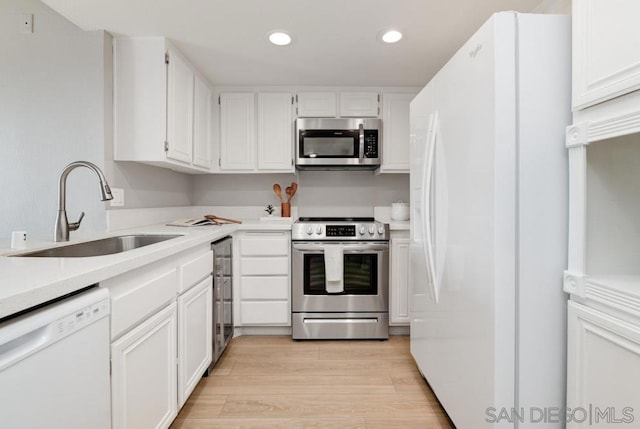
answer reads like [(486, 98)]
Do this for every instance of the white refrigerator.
[(489, 225)]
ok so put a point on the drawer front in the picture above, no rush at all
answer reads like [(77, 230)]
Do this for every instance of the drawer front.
[(264, 288), (140, 300), (193, 271), (264, 266), (265, 245), (265, 313)]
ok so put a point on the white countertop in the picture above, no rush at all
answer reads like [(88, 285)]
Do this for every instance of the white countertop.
[(395, 225), (26, 282)]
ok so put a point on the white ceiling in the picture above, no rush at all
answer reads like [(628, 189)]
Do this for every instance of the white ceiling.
[(334, 41)]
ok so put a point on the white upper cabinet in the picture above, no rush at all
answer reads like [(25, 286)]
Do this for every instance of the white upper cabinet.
[(395, 133), (606, 58), (179, 108), (256, 138), (343, 104), (275, 131), (316, 105), (359, 105), (237, 131), (160, 106), (201, 123)]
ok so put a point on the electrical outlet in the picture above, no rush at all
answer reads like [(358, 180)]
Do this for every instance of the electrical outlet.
[(118, 197), (26, 23)]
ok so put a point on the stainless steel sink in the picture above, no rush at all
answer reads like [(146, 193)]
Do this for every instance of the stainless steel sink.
[(105, 246)]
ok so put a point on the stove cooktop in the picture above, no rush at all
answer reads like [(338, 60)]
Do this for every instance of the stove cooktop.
[(336, 219)]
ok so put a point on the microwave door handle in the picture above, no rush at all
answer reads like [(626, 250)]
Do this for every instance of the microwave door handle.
[(361, 138)]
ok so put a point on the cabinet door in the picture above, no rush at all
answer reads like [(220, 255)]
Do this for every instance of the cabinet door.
[(316, 104), (143, 377), (602, 364), (395, 133), (399, 282), (201, 123), (275, 132), (179, 108), (606, 58), (237, 131), (195, 327), (359, 105)]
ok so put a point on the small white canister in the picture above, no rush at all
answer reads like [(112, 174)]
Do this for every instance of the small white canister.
[(400, 211)]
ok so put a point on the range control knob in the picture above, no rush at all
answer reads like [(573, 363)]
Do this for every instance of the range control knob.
[(381, 230), (361, 230), (319, 230), (309, 230), (372, 230)]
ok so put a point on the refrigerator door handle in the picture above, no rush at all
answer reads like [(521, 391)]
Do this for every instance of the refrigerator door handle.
[(428, 207)]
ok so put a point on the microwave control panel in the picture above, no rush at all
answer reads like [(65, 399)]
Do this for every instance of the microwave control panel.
[(371, 143)]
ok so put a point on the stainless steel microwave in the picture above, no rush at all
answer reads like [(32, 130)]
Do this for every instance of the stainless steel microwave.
[(338, 144)]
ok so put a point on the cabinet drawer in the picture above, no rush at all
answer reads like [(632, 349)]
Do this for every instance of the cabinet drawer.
[(266, 245), (140, 300), (265, 313), (264, 288), (264, 266), (191, 272)]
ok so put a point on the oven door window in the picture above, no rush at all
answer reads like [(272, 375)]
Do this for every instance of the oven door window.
[(360, 274), (329, 144)]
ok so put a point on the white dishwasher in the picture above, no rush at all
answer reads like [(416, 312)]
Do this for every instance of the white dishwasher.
[(54, 365)]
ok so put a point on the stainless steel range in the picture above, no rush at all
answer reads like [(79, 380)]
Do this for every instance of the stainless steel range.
[(340, 279)]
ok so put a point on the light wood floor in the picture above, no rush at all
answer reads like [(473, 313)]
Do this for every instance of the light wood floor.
[(275, 382)]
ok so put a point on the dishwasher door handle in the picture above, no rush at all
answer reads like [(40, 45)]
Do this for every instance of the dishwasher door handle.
[(24, 345)]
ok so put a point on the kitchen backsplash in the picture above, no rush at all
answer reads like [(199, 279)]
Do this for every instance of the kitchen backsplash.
[(320, 193)]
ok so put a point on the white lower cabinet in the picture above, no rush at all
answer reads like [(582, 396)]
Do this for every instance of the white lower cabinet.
[(161, 337), (399, 279), (143, 374), (264, 288), (602, 362), (195, 326)]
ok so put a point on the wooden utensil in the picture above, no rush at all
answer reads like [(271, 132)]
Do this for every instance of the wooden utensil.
[(294, 189), (220, 220), (278, 191), (289, 193)]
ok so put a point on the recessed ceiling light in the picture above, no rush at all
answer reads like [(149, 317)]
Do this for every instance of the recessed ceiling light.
[(391, 36), (279, 38)]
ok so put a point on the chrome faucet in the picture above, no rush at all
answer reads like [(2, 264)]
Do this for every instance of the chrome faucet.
[(63, 226)]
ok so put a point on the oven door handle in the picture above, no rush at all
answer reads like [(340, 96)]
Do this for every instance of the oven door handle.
[(318, 248), (361, 141)]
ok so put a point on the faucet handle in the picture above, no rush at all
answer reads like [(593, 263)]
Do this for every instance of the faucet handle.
[(75, 225)]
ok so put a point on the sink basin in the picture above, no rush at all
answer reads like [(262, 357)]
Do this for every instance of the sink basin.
[(105, 246)]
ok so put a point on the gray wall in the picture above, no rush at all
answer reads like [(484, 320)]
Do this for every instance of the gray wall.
[(554, 6), (55, 108), (51, 110)]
